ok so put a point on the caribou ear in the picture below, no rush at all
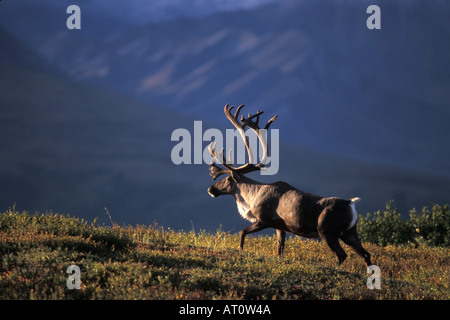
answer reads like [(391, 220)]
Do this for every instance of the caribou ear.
[(235, 176)]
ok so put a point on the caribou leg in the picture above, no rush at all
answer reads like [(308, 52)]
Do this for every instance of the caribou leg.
[(281, 238), (350, 237), (255, 227), (333, 242)]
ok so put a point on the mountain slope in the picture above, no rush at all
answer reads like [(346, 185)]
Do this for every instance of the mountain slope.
[(377, 96), (72, 148), (77, 149)]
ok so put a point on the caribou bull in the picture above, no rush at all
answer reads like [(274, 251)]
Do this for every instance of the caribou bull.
[(280, 206)]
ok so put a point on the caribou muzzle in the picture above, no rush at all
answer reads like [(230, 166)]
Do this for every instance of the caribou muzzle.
[(213, 192)]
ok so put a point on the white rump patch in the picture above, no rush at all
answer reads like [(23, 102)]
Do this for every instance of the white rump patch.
[(354, 213)]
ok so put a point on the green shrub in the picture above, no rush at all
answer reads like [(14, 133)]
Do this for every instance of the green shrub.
[(432, 228), (387, 226), (384, 227)]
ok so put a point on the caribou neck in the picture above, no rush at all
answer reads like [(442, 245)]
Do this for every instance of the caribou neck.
[(247, 189)]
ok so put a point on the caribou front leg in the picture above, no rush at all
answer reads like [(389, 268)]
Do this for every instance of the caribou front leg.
[(255, 227), (281, 238)]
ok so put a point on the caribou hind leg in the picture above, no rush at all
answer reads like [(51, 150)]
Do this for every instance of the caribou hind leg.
[(333, 242), (329, 231), (350, 237)]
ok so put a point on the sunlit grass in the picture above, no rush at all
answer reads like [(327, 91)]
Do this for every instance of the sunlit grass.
[(152, 262)]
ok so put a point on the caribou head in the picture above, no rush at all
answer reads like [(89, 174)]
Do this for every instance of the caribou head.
[(228, 185)]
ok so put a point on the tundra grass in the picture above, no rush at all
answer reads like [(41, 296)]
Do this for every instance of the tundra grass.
[(152, 262)]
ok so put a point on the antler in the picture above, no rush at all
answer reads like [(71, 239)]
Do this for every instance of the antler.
[(216, 171), (254, 125), (240, 125)]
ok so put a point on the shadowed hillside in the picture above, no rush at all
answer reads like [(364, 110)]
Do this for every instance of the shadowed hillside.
[(376, 96)]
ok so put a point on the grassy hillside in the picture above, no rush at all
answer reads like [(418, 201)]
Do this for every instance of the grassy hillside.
[(150, 262)]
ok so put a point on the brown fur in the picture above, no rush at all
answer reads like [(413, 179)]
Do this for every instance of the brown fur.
[(286, 209)]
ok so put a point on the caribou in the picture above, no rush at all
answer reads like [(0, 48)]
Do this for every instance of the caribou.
[(278, 205)]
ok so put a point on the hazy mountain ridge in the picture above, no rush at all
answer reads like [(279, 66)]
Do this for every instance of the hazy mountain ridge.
[(144, 11), (314, 63), (75, 148)]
